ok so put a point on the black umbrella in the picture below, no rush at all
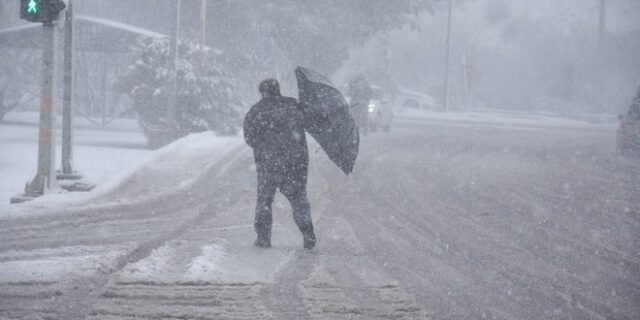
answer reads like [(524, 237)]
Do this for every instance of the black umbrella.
[(328, 119)]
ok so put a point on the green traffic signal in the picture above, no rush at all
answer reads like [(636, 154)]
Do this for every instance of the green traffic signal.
[(33, 7), (40, 10)]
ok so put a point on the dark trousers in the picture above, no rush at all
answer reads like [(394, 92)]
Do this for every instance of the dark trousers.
[(294, 188)]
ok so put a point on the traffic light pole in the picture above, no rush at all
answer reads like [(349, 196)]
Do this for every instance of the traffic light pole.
[(67, 125), (47, 13), (45, 178)]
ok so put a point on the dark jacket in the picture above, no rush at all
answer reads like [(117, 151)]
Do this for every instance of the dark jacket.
[(274, 128)]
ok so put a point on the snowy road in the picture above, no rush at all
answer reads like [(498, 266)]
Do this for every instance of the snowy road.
[(437, 222)]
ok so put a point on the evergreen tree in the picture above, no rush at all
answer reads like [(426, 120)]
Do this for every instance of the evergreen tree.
[(205, 97)]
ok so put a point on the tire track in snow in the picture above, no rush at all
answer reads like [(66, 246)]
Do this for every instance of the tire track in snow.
[(74, 296), (416, 179)]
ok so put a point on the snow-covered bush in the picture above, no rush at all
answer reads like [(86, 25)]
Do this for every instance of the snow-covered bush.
[(205, 98)]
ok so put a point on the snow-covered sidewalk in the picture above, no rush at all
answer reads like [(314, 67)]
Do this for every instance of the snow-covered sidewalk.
[(56, 249), (141, 187), (112, 158)]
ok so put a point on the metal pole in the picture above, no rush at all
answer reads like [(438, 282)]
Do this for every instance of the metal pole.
[(448, 57), (601, 71), (386, 65), (172, 114), (465, 82), (103, 88), (67, 120), (603, 21), (203, 28), (44, 176)]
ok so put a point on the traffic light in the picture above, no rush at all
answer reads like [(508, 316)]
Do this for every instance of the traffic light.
[(40, 10), (52, 9), (31, 10)]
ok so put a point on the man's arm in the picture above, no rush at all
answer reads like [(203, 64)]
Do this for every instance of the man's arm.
[(250, 128)]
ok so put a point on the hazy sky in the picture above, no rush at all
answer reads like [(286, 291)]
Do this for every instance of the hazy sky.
[(622, 15)]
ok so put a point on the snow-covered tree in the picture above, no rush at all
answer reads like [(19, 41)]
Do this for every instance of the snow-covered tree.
[(205, 98)]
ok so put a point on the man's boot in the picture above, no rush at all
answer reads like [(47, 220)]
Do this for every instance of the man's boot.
[(262, 243), (264, 240), (309, 241), (309, 238)]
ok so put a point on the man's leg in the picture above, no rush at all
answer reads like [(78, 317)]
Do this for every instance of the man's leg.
[(296, 193), (263, 220)]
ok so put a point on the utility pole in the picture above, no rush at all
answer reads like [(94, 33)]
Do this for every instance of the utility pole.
[(602, 61), (203, 28), (465, 82), (171, 109), (448, 57), (387, 57), (67, 125), (603, 22)]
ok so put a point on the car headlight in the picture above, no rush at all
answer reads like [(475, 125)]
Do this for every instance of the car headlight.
[(372, 107)]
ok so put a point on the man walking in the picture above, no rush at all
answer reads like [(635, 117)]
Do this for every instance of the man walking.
[(274, 128)]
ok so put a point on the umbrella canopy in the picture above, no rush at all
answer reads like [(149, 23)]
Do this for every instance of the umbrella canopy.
[(328, 119)]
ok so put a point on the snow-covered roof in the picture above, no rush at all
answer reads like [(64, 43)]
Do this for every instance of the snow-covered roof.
[(91, 34), (121, 26)]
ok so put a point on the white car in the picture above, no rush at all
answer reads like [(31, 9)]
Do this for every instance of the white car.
[(407, 99)]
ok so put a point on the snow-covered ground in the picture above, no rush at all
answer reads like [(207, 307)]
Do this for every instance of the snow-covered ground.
[(436, 221), (503, 118), (107, 157)]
